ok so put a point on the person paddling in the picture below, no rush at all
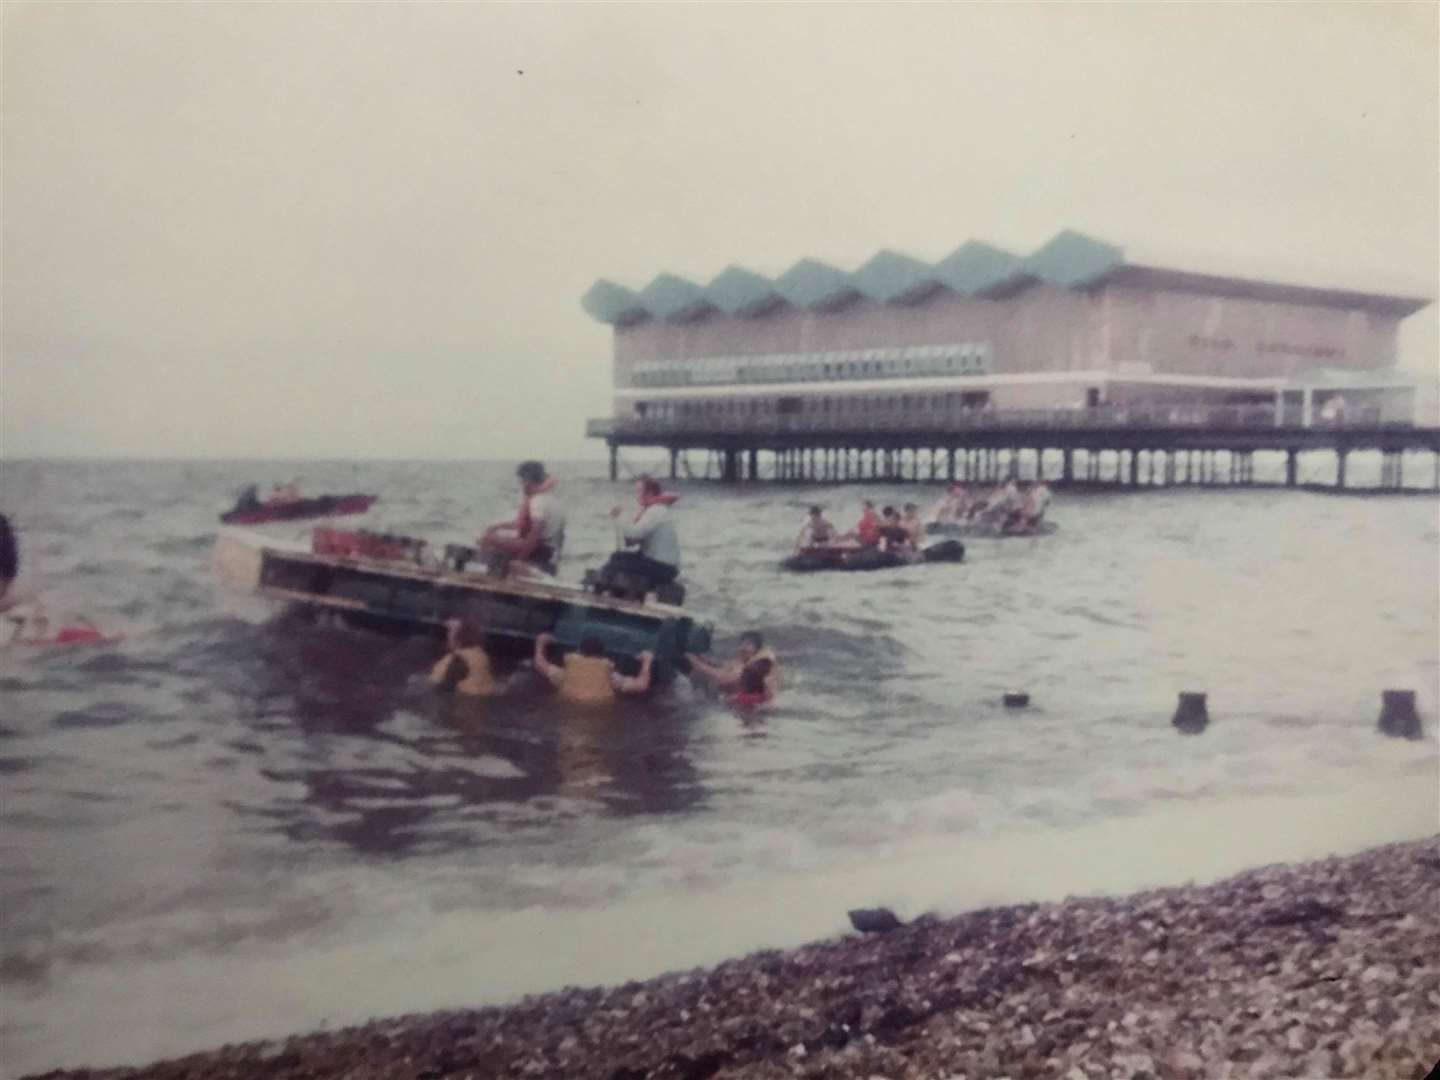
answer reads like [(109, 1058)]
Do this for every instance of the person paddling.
[(534, 538)]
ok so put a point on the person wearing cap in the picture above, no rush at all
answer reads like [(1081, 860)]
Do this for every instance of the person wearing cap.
[(535, 537)]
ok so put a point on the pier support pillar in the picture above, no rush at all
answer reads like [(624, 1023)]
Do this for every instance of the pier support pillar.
[(950, 465), (1134, 478), (674, 463), (614, 463), (1067, 465), (754, 464), (1291, 470), (1341, 455)]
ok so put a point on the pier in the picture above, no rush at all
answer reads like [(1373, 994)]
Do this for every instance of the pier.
[(1108, 448)]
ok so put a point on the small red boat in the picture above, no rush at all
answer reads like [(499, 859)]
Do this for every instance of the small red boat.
[(321, 506)]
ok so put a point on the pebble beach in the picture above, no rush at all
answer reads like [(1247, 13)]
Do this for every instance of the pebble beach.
[(1328, 968)]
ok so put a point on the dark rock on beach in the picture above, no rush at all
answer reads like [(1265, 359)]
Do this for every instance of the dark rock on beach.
[(1324, 969), (874, 920)]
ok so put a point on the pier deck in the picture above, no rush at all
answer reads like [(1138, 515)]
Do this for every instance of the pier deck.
[(1123, 448)]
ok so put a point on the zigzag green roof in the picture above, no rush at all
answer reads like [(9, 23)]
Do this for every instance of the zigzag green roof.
[(737, 291), (811, 283), (1069, 259), (671, 297), (890, 277)]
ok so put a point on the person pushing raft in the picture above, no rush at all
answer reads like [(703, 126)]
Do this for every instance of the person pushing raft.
[(465, 668), (587, 677), (750, 680)]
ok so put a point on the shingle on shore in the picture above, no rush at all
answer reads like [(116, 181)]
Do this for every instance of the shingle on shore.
[(1321, 969)]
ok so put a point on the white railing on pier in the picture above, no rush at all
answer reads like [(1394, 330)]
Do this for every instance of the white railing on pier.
[(960, 421)]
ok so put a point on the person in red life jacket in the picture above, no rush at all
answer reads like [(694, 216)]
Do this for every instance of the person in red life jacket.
[(652, 532), (867, 531), (750, 680), (534, 539)]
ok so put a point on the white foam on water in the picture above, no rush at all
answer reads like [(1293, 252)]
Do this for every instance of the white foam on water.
[(412, 957)]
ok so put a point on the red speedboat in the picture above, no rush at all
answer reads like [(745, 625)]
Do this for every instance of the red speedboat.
[(321, 506)]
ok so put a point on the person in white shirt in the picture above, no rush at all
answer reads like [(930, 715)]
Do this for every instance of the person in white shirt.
[(534, 538), (656, 559)]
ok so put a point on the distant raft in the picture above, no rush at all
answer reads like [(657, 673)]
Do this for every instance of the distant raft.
[(385, 582), (320, 506), (811, 559), (989, 530)]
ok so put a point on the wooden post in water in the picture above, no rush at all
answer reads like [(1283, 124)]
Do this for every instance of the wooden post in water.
[(1340, 455), (614, 463)]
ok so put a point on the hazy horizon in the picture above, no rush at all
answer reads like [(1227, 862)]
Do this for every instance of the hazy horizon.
[(305, 232)]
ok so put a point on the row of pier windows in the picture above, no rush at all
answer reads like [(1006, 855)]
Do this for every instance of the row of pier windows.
[(964, 359), (856, 406)]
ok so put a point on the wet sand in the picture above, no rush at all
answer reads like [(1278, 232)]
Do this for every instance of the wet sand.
[(1322, 969)]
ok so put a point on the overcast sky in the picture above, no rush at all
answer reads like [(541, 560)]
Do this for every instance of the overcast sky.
[(363, 230)]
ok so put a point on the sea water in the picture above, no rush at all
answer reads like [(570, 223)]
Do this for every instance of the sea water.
[(239, 824)]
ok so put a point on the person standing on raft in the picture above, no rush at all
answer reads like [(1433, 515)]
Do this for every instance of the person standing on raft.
[(657, 562), (535, 537), (751, 679), (587, 677)]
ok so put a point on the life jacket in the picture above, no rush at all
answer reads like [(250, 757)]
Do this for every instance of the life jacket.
[(759, 679), (466, 671), (78, 634), (587, 680), (523, 520), (665, 498)]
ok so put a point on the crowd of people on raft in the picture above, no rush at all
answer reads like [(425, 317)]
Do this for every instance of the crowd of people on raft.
[(647, 551), (1007, 508)]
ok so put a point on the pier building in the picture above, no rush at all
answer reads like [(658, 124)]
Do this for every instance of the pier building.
[(901, 354)]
